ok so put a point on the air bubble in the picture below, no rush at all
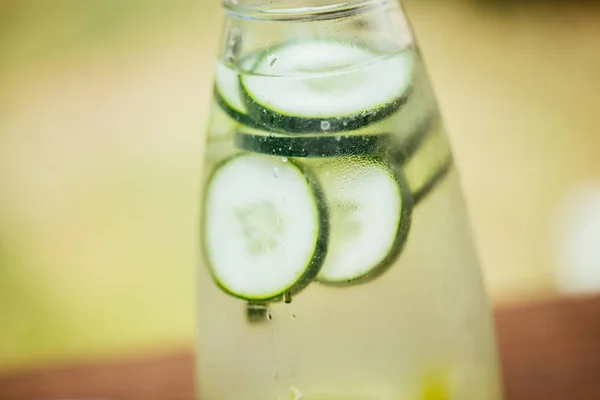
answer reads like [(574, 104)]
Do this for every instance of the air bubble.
[(325, 125)]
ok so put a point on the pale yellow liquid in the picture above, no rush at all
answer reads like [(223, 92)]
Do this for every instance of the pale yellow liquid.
[(420, 331)]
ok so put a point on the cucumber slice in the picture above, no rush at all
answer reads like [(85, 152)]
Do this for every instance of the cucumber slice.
[(265, 228), (311, 145), (416, 116), (440, 174), (220, 126), (323, 86), (227, 90), (370, 208), (430, 162)]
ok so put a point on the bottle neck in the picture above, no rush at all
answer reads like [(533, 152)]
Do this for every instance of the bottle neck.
[(296, 10)]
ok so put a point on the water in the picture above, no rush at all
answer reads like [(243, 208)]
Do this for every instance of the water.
[(416, 324)]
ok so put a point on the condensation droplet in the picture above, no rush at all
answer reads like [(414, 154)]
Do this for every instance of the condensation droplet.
[(325, 125), (276, 172), (338, 138), (284, 159)]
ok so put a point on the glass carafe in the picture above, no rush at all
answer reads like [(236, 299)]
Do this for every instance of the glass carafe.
[(337, 258)]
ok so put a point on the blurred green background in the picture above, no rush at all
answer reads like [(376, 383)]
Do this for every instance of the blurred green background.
[(103, 105)]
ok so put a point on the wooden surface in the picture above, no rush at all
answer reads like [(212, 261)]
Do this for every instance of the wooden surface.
[(550, 351)]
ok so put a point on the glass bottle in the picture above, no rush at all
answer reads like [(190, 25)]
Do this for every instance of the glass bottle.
[(337, 257)]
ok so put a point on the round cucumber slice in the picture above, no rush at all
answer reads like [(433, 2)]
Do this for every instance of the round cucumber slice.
[(439, 175), (228, 93), (415, 117), (430, 162), (369, 210), (310, 145), (265, 228), (324, 86)]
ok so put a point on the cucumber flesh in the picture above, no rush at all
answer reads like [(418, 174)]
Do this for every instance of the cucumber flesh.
[(324, 86), (415, 117), (370, 209), (227, 90), (430, 162), (434, 179), (265, 227)]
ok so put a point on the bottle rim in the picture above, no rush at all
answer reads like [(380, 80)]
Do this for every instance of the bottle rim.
[(298, 10)]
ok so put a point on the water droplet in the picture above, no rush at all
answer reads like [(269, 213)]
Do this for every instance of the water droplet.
[(292, 315), (284, 159), (338, 138), (345, 123), (272, 60), (272, 135), (287, 297), (276, 172), (325, 125)]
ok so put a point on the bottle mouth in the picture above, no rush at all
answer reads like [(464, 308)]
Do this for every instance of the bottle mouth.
[(298, 10)]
